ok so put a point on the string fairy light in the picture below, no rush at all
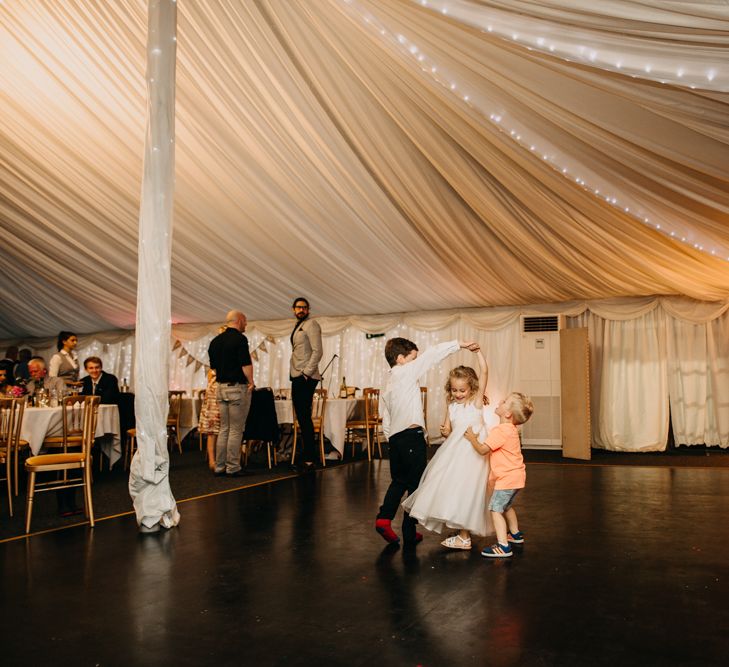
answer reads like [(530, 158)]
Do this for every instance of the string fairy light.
[(549, 154)]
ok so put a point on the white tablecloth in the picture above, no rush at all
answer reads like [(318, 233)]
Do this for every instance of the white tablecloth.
[(338, 411), (39, 423), (189, 415)]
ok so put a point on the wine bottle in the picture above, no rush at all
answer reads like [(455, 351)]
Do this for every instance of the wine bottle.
[(343, 388)]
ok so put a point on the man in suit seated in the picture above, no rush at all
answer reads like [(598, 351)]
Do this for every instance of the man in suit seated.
[(39, 378), (99, 383)]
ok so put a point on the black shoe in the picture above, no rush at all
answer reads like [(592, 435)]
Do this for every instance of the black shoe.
[(238, 473)]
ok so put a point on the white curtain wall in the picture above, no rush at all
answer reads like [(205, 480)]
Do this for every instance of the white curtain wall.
[(646, 354)]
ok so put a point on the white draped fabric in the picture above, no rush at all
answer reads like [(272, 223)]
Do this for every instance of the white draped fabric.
[(327, 148), (149, 484), (645, 354)]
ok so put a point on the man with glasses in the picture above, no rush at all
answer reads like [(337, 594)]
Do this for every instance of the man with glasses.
[(306, 352)]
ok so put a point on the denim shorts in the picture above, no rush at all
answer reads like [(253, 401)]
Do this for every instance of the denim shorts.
[(502, 500)]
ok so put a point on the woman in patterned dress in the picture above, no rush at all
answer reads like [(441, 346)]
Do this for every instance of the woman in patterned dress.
[(210, 417)]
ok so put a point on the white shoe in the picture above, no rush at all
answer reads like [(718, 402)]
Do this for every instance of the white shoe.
[(456, 542)]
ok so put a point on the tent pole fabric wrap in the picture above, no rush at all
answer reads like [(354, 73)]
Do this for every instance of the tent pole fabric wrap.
[(149, 483)]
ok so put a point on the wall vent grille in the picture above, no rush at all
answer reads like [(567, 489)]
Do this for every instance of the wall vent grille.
[(540, 323)]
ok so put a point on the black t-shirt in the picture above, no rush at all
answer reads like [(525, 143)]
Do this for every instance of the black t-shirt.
[(228, 354)]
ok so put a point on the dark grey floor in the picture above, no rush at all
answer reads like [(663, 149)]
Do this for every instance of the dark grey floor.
[(622, 566)]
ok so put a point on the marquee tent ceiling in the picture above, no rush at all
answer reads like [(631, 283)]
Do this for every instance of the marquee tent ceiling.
[(376, 156)]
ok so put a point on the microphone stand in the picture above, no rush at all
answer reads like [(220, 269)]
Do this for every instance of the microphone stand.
[(326, 368)]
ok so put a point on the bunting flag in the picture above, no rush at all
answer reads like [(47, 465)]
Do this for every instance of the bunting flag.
[(176, 345), (254, 355), (198, 365), (190, 359), (271, 339), (182, 352), (262, 346)]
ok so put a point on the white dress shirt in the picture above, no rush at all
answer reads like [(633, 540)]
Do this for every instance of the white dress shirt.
[(401, 401)]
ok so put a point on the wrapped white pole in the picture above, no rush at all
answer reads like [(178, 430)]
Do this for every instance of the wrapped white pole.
[(149, 483)]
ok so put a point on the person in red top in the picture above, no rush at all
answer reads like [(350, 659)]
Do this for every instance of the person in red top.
[(507, 470)]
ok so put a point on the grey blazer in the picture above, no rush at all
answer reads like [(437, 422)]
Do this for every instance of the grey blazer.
[(306, 350)]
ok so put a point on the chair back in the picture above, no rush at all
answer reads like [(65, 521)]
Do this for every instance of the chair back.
[(319, 406), (11, 420), (262, 423), (73, 411), (91, 415), (175, 398), (371, 405)]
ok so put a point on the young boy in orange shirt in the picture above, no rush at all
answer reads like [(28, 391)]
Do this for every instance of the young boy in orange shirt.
[(507, 468)]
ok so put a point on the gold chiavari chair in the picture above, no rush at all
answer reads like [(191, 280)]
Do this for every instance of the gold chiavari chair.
[(318, 411), (173, 418), (370, 424), (11, 419), (64, 462)]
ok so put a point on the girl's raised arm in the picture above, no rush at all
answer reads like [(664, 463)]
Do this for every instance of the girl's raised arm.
[(483, 375)]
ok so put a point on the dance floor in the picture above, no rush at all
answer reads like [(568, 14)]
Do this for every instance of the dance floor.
[(621, 566)]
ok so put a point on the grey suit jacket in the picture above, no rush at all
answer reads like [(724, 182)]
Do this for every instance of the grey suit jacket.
[(306, 350)]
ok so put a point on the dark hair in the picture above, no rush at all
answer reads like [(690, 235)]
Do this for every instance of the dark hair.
[(25, 354), (7, 366), (93, 360), (397, 346), (301, 298), (62, 337)]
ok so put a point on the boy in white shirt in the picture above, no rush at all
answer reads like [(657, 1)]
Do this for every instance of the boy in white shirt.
[(404, 425)]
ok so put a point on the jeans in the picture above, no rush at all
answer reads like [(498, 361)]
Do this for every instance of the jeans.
[(408, 459), (302, 395), (234, 402)]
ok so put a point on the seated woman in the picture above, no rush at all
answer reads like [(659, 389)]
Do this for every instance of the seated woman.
[(64, 364), (6, 377)]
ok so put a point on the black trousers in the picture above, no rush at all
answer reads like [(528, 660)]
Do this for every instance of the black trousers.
[(407, 462), (302, 395)]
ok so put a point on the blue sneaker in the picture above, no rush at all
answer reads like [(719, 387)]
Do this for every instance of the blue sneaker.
[(515, 538), (497, 551)]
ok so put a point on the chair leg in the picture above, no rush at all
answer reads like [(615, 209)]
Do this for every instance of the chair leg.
[(369, 444), (379, 445), (293, 447), (29, 503), (15, 481), (9, 482), (87, 492), (268, 452), (321, 448)]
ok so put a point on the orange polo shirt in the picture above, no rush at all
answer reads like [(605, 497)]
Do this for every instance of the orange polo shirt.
[(507, 463)]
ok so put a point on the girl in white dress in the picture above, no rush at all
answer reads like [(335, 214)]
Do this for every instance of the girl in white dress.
[(452, 491)]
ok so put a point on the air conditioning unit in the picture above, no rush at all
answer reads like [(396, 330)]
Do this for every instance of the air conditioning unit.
[(539, 377)]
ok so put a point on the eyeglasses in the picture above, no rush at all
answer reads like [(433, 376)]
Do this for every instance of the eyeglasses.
[(301, 307)]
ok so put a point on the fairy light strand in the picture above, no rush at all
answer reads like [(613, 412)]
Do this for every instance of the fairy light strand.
[(547, 153)]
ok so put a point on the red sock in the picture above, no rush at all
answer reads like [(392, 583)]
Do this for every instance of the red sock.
[(384, 528), (418, 537)]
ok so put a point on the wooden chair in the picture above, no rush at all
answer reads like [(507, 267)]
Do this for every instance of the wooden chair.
[(424, 401), (72, 424), (370, 424), (318, 412), (11, 419), (130, 447), (173, 418), (64, 462), (262, 425)]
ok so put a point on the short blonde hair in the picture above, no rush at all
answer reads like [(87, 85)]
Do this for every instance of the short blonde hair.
[(520, 406)]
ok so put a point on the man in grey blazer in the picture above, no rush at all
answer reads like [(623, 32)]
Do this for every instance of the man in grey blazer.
[(306, 352)]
